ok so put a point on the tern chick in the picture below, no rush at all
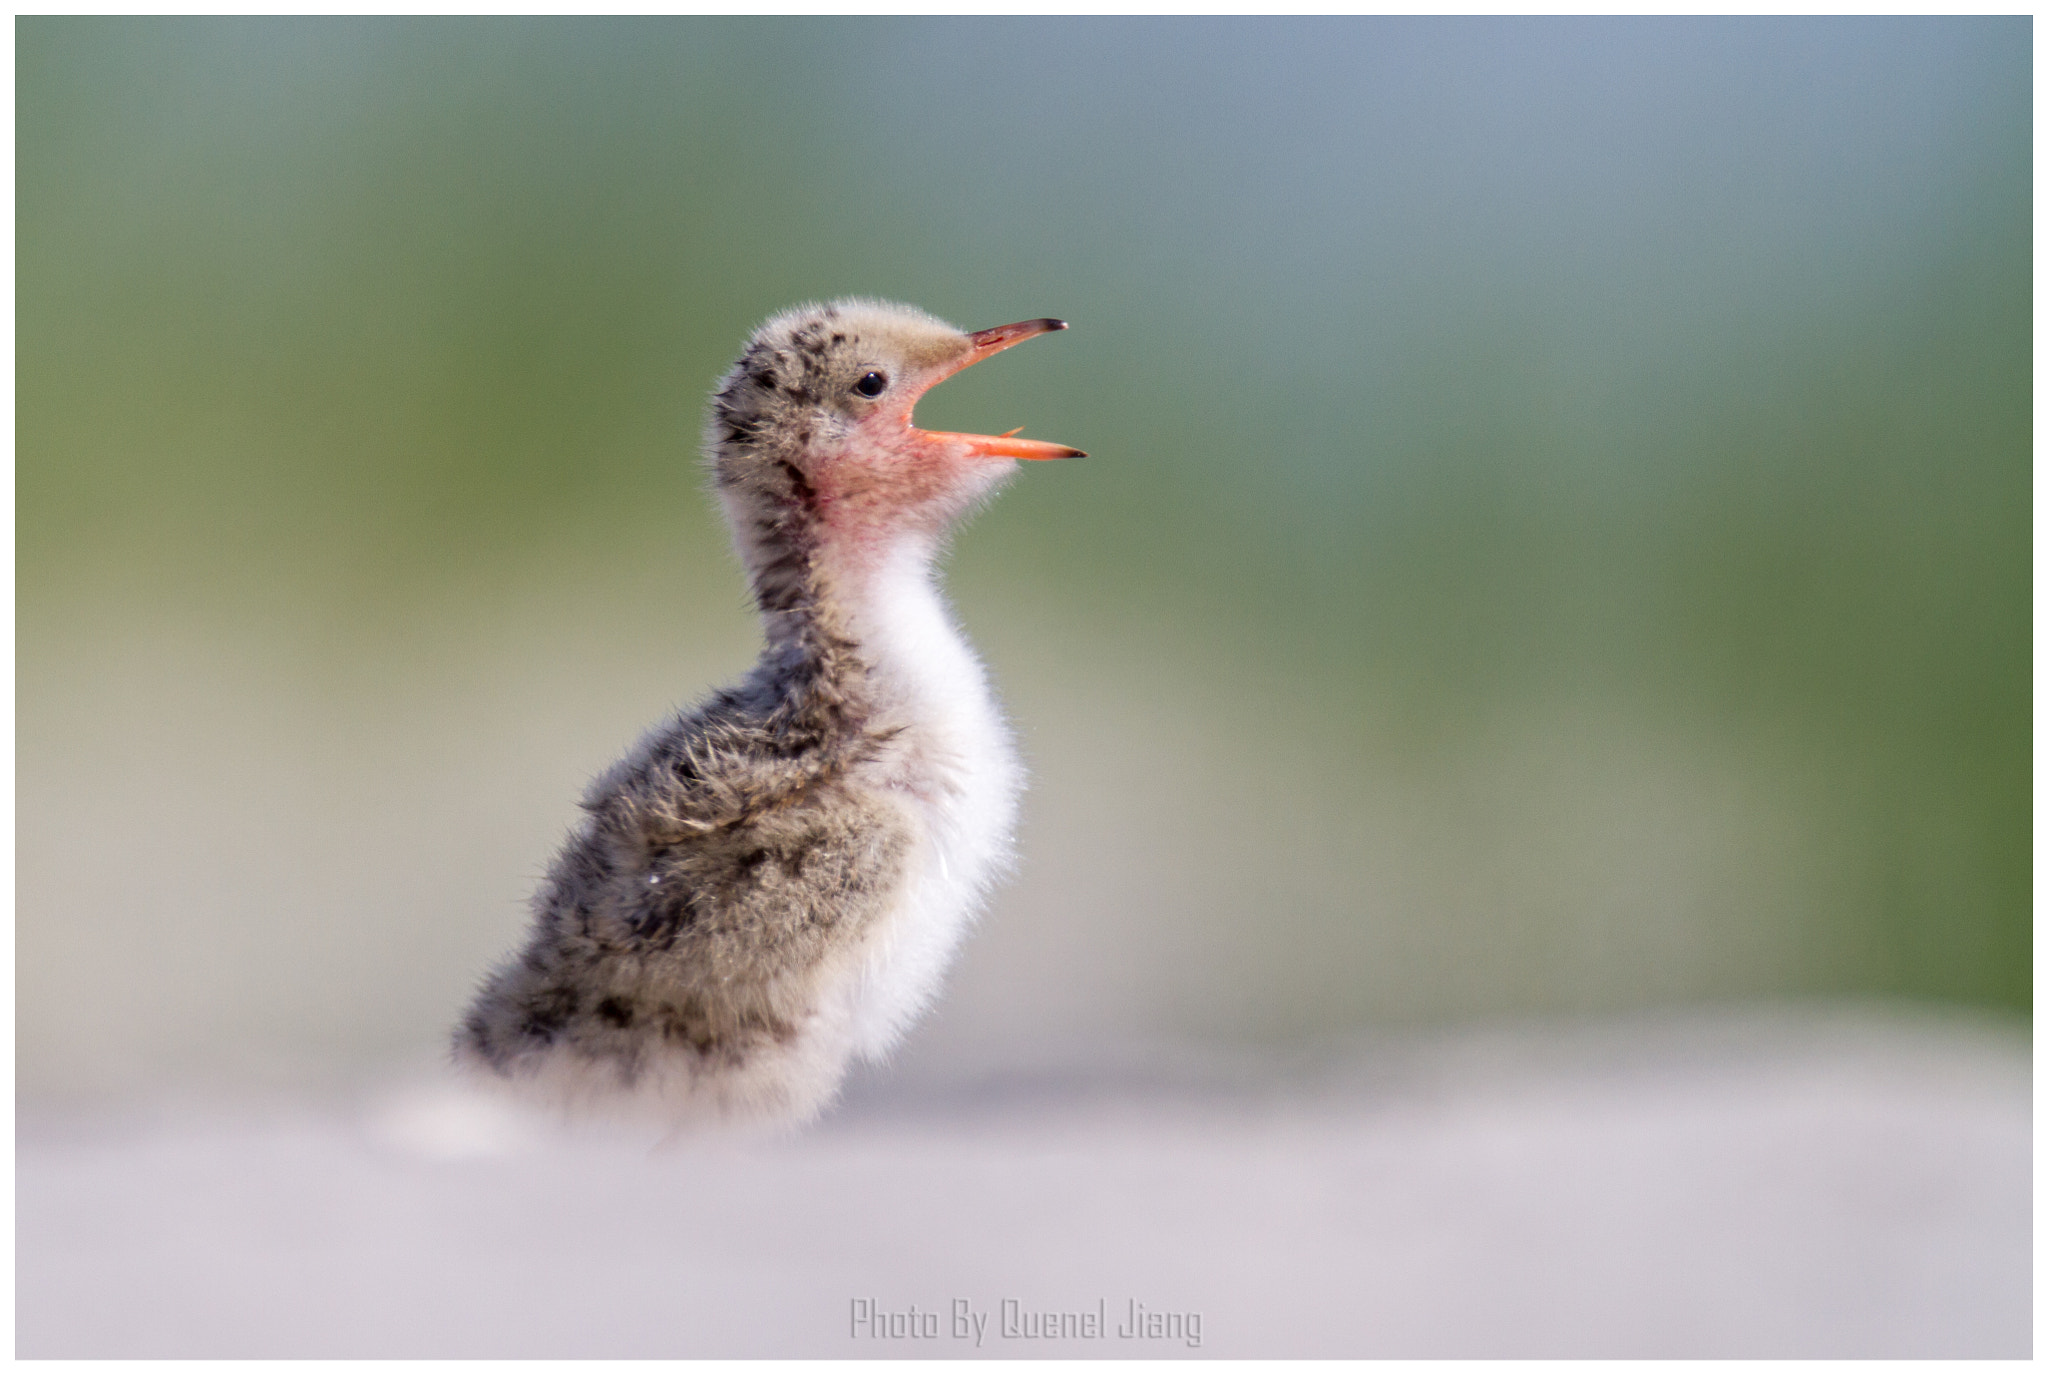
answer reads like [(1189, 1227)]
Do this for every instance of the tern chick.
[(773, 884)]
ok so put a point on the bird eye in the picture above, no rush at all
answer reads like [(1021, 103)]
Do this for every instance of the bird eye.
[(872, 385)]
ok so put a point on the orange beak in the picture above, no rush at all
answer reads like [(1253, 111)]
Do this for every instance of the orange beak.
[(987, 342)]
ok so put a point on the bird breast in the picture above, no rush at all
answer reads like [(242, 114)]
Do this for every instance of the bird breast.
[(956, 769)]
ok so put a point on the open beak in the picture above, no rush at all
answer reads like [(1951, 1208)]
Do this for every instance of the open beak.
[(987, 342)]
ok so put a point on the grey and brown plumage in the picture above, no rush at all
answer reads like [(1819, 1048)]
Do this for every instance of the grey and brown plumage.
[(773, 884)]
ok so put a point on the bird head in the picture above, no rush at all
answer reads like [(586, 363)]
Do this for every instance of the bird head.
[(810, 433)]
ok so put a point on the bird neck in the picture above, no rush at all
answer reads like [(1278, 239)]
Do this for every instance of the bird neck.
[(864, 615), (818, 589)]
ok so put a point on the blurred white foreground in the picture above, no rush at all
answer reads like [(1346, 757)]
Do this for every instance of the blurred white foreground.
[(1841, 1184)]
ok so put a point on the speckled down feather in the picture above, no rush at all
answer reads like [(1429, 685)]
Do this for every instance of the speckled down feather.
[(721, 864)]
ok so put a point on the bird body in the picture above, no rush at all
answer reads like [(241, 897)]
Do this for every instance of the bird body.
[(773, 884)]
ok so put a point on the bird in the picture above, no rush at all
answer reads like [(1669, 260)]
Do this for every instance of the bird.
[(770, 886)]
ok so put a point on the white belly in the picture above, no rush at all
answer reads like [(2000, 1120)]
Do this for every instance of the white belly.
[(959, 779)]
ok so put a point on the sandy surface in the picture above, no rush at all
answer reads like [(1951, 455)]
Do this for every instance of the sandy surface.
[(1789, 1186)]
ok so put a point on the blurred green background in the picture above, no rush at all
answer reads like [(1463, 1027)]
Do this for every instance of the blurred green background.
[(1557, 539)]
